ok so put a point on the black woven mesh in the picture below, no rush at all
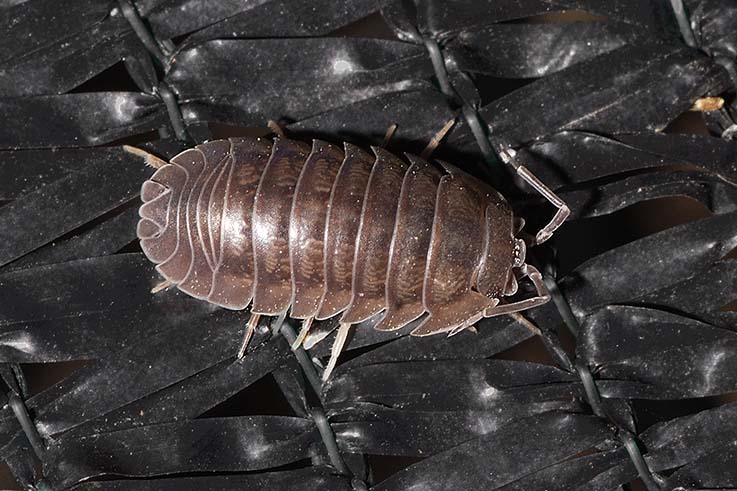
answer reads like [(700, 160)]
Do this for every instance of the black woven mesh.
[(634, 386)]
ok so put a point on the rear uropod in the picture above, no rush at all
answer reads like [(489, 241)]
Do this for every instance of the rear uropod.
[(321, 232)]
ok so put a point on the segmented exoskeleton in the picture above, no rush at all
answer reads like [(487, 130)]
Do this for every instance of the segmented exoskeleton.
[(321, 232)]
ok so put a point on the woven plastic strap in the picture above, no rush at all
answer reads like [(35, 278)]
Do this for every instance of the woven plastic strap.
[(24, 418), (727, 62), (317, 412), (480, 128), (160, 53)]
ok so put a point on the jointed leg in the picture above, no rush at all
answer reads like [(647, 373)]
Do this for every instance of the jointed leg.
[(514, 315), (389, 134), (526, 322), (337, 348), (560, 216), (250, 329), (469, 323), (542, 295), (306, 324), (275, 128), (161, 286), (435, 140), (151, 159), (563, 211)]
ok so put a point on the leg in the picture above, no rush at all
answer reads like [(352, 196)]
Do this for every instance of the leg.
[(435, 140), (526, 322), (306, 324), (389, 134), (469, 323), (340, 340), (530, 178), (250, 329), (275, 128), (161, 286), (151, 159), (542, 295)]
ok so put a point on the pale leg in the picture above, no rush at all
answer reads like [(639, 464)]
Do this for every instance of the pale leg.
[(337, 348), (250, 329), (306, 324), (563, 211), (389, 135), (542, 295), (526, 322), (275, 128), (435, 140), (161, 286), (151, 159)]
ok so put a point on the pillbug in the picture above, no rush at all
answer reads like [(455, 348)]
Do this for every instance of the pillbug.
[(321, 232)]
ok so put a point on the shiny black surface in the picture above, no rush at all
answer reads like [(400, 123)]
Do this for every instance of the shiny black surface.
[(593, 119)]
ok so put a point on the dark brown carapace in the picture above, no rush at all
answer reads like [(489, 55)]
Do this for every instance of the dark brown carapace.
[(321, 232)]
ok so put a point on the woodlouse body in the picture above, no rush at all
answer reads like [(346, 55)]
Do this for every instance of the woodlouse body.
[(323, 232)]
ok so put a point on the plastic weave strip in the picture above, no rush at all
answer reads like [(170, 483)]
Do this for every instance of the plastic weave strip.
[(652, 481), (731, 67), (727, 62), (13, 378), (24, 418), (469, 112), (157, 51), (149, 41), (172, 108), (318, 412), (683, 22)]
